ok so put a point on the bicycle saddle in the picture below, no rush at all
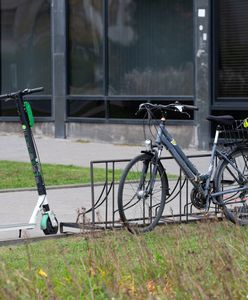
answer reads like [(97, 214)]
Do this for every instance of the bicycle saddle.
[(221, 120)]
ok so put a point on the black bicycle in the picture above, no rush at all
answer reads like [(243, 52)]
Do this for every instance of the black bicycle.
[(144, 185)]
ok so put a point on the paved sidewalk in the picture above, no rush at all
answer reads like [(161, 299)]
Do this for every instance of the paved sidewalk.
[(63, 151), (68, 151), (17, 206)]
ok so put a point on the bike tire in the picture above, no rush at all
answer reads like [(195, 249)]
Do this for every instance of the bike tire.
[(139, 214), (235, 204)]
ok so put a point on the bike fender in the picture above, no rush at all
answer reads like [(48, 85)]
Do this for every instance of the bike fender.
[(43, 222)]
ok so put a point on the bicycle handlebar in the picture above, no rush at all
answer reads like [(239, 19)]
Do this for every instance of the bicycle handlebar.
[(22, 93), (172, 106)]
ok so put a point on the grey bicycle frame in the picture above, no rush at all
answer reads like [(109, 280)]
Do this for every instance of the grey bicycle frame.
[(164, 137), (191, 172)]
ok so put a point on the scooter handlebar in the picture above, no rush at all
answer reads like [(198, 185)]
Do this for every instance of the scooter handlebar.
[(22, 93)]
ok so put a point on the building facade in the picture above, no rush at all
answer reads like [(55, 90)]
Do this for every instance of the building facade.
[(99, 59)]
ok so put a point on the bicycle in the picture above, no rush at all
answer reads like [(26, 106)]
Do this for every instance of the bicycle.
[(144, 184)]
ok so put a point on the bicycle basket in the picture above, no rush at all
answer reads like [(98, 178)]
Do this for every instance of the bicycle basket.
[(236, 133)]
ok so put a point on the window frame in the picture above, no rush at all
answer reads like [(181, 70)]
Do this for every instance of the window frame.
[(106, 97), (220, 103)]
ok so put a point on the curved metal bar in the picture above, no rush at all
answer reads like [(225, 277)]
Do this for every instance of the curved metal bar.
[(180, 195), (179, 191), (98, 203)]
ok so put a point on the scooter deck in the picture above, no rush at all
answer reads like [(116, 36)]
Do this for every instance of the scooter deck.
[(20, 226)]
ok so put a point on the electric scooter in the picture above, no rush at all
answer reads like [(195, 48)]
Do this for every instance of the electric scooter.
[(49, 222)]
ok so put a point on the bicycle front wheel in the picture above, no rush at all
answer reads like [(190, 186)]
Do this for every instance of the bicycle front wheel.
[(229, 178), (141, 207)]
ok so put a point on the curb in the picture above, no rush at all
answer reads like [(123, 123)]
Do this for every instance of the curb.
[(52, 187)]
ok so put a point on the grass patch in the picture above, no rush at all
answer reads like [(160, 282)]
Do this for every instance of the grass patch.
[(19, 175), (196, 261)]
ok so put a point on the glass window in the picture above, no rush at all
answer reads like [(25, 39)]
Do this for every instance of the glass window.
[(85, 47), (232, 41), (8, 109), (128, 110), (86, 108), (124, 109), (40, 108), (150, 47), (25, 45)]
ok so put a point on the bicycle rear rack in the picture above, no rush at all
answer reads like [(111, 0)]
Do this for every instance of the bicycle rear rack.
[(103, 213)]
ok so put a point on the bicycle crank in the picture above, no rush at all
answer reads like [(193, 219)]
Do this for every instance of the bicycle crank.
[(197, 199)]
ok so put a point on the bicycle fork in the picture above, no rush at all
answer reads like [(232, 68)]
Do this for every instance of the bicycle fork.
[(148, 191)]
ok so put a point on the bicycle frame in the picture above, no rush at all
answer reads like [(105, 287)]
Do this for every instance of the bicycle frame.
[(191, 172)]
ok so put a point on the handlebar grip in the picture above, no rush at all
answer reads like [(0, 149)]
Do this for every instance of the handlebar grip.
[(38, 89), (4, 96), (32, 91), (191, 107)]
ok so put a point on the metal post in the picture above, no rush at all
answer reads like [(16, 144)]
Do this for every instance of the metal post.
[(58, 15), (202, 86)]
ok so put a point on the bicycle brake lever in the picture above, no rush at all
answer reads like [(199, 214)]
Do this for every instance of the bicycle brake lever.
[(179, 107), (141, 107)]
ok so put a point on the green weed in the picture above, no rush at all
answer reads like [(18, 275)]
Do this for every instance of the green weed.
[(195, 261)]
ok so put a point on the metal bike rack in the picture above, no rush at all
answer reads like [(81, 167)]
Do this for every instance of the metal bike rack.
[(103, 213)]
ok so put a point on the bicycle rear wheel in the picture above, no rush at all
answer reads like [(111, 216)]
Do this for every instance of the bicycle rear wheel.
[(140, 210), (232, 176)]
